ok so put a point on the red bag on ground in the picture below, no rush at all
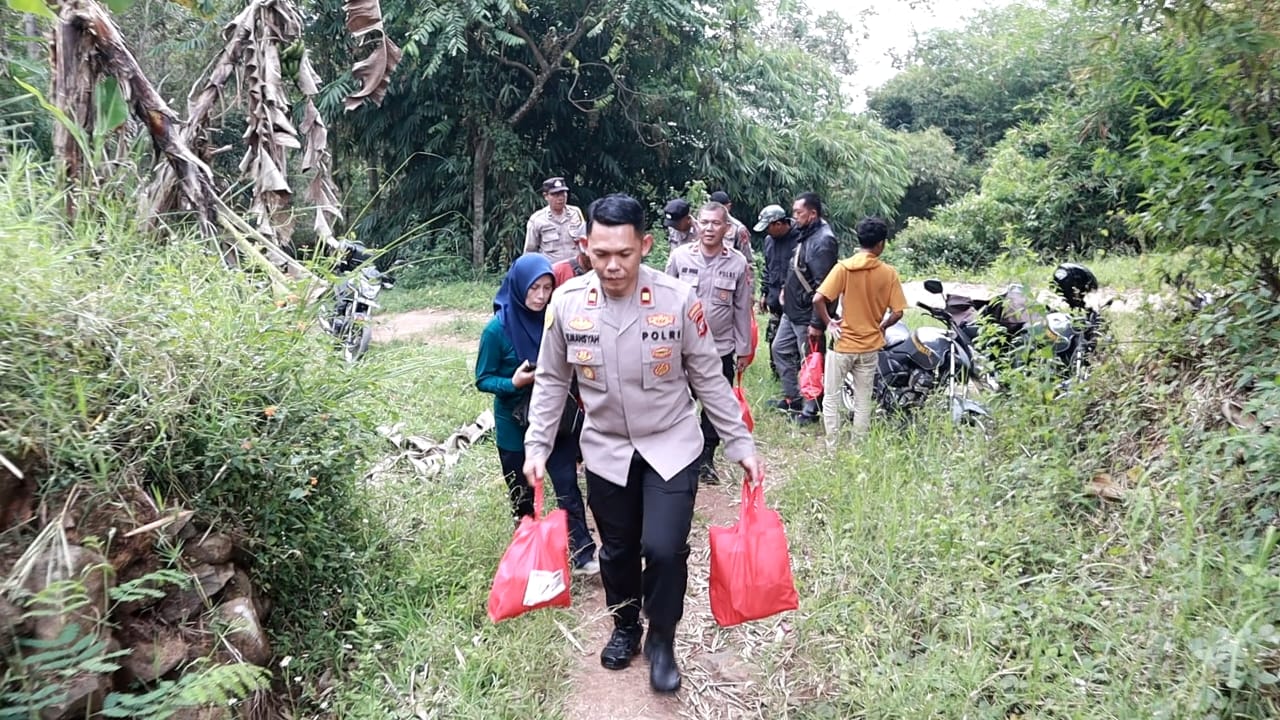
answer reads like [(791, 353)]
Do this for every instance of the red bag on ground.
[(744, 405), (755, 341), (534, 571), (811, 373), (750, 565)]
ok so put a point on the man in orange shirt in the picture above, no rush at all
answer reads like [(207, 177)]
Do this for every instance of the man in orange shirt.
[(867, 288)]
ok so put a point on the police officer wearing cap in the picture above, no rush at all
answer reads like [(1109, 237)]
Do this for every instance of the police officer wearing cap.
[(678, 220), (554, 230), (779, 245), (636, 340), (722, 279)]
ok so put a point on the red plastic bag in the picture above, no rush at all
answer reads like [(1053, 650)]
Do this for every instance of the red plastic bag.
[(811, 373), (534, 571), (750, 565), (744, 405), (750, 357)]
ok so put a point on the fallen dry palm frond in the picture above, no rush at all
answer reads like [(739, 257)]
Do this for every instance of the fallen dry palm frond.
[(427, 457), (374, 71)]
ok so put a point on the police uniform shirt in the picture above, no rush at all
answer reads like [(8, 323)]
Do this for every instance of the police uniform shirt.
[(739, 238), (635, 359), (722, 286), (680, 237), (555, 236)]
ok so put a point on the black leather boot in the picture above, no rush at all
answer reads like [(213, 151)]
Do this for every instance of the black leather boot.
[(659, 650), (707, 468), (623, 645)]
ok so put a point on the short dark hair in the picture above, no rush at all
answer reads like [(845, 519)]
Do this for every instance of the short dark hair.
[(871, 231), (616, 209), (811, 201)]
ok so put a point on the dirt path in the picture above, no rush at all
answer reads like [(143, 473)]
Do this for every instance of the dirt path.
[(439, 325), (721, 677)]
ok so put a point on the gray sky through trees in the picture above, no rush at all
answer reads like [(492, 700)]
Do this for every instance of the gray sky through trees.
[(885, 29)]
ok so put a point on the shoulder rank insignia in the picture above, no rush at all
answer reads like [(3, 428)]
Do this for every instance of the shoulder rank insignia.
[(646, 297), (698, 318), (593, 298)]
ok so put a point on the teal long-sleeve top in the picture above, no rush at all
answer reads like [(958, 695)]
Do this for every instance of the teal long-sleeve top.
[(495, 365)]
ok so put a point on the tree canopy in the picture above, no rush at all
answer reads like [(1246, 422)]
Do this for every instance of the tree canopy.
[(644, 97)]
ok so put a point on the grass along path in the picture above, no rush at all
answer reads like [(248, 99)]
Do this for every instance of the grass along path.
[(941, 573)]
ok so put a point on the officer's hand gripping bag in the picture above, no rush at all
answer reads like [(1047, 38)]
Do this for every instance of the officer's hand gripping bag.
[(743, 405), (811, 373), (534, 571), (750, 564)]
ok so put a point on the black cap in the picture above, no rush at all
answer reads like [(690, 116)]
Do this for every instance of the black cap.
[(720, 196), (675, 211), (554, 185)]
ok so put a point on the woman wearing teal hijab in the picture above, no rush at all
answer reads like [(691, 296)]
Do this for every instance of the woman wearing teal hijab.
[(504, 368)]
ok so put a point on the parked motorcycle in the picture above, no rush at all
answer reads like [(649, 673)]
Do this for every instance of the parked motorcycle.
[(915, 364), (1072, 336), (355, 299)]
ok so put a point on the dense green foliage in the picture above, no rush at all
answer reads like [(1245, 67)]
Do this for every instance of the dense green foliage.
[(943, 573), (656, 95), (976, 83), (1148, 126), (123, 363)]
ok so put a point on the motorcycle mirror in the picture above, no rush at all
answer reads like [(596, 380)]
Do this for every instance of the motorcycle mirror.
[(933, 286)]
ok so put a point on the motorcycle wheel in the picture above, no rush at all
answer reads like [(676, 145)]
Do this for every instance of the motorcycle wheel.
[(356, 344), (882, 398)]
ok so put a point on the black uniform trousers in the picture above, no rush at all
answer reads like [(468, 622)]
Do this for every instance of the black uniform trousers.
[(644, 541), (711, 438)]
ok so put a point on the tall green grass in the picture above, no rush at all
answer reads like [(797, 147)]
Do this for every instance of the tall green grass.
[(943, 572), (947, 572), (128, 360)]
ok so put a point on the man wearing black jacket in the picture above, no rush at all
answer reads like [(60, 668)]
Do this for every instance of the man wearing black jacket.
[(779, 243), (816, 253)]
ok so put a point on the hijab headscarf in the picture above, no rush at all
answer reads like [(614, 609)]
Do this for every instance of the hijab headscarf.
[(522, 325)]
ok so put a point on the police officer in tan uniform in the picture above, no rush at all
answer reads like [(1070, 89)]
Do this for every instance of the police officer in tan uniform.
[(677, 219), (555, 229), (720, 276), (738, 237), (636, 340)]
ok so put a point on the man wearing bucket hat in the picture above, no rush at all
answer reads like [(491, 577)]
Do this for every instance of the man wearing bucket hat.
[(779, 244), (554, 230)]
